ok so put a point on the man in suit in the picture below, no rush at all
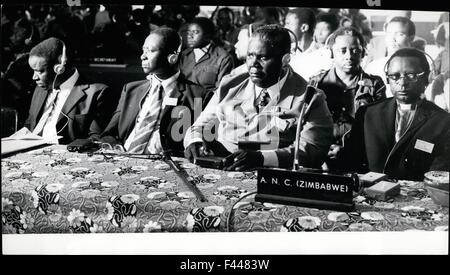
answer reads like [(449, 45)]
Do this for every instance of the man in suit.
[(64, 103), (404, 136), (154, 114), (204, 62), (262, 106)]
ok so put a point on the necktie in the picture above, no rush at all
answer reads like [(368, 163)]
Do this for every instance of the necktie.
[(402, 124), (51, 105), (262, 100), (148, 125)]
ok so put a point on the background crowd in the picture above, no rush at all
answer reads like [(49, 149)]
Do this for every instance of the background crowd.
[(114, 34)]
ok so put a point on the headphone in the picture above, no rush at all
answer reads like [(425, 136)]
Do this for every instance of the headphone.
[(332, 38), (431, 65), (61, 67), (287, 56), (173, 57), (29, 40)]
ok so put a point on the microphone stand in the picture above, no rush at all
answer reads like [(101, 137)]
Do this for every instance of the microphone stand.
[(184, 178), (309, 93)]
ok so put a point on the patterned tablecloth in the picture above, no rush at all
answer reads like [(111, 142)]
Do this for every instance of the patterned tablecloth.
[(52, 190)]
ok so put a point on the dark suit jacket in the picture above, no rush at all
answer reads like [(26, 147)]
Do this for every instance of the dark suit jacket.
[(124, 118), (210, 69), (88, 107), (372, 144)]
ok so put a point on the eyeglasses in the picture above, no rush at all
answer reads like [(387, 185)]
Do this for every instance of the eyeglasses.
[(412, 77)]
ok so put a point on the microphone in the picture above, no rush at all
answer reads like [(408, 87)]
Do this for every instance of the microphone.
[(307, 98)]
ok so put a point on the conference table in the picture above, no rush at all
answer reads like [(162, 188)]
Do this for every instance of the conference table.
[(52, 190)]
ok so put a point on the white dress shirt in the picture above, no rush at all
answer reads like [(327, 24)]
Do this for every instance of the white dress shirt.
[(154, 145), (49, 130)]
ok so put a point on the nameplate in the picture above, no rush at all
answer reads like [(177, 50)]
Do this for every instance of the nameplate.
[(170, 101), (424, 146), (307, 189)]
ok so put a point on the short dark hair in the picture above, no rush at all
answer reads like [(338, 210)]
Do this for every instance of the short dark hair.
[(170, 39), (346, 31), (305, 16), (275, 36), (411, 52), (329, 18), (206, 25), (49, 49), (405, 21)]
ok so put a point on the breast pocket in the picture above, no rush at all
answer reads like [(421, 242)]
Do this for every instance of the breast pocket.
[(207, 76)]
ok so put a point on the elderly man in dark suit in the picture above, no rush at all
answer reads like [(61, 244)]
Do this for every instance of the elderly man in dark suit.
[(154, 114), (262, 106), (64, 103), (404, 136)]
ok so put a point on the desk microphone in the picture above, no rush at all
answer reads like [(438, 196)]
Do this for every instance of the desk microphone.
[(308, 96)]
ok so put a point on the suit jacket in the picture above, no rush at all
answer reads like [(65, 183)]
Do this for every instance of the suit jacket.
[(425, 146), (124, 118), (210, 69), (88, 107), (232, 108)]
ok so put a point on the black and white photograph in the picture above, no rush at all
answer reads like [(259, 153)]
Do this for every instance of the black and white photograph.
[(154, 128)]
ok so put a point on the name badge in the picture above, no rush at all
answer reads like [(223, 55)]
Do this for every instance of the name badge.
[(424, 146), (170, 101)]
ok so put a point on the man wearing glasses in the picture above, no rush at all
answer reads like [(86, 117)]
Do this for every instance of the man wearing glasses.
[(404, 136)]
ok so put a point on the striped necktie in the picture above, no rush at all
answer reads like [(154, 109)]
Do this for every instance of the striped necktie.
[(148, 125), (51, 105), (262, 100)]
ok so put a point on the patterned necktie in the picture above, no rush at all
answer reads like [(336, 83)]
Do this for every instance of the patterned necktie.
[(262, 100), (51, 105), (148, 125), (402, 124)]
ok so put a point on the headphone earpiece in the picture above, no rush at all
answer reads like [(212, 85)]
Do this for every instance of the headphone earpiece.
[(173, 57), (286, 59), (61, 67), (29, 40)]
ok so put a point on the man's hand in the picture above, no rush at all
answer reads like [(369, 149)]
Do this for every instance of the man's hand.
[(245, 160)]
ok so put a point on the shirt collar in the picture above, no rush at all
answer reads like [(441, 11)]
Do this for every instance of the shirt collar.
[(274, 90), (334, 78), (200, 52), (70, 82), (166, 83)]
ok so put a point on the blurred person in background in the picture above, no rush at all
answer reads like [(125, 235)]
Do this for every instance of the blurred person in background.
[(400, 32), (262, 16), (204, 62), (353, 18)]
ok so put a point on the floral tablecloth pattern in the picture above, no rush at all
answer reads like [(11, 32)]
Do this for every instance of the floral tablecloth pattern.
[(52, 190)]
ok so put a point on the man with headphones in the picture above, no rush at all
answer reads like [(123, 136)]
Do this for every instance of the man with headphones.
[(204, 62), (346, 85), (152, 113), (252, 117), (404, 136), (65, 103)]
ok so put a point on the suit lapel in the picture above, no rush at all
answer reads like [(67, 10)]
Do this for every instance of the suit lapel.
[(387, 122), (76, 94), (290, 90), (40, 103), (177, 93), (134, 104)]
